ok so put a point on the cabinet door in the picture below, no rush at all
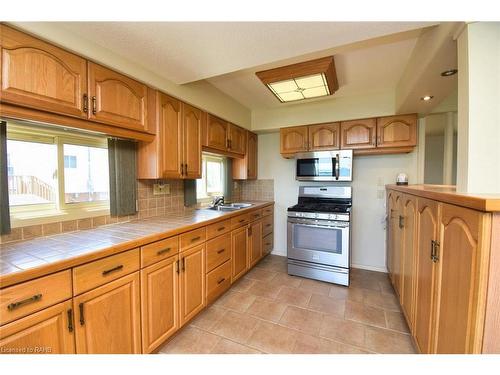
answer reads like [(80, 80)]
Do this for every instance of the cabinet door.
[(170, 129), (324, 137), (397, 244), (255, 242), (457, 281), (192, 123), (428, 226), (217, 133), (397, 131), (390, 233), (237, 139), (108, 318), (192, 283), (116, 99), (358, 134), (239, 249), (160, 302), (294, 139), (246, 168), (44, 332), (408, 261), (39, 75)]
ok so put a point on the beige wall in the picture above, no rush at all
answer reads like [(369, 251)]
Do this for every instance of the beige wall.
[(200, 94), (371, 173), (342, 108)]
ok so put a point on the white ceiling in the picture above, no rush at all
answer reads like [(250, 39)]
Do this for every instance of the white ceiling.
[(189, 51)]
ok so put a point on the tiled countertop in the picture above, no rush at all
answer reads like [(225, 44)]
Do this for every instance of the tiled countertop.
[(24, 260)]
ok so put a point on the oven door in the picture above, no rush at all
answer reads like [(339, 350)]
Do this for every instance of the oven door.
[(318, 241)]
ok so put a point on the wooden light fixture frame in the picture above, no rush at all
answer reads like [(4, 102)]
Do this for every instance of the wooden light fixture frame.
[(324, 65)]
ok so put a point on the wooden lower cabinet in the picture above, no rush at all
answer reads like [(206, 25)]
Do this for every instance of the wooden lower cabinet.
[(159, 302), (443, 255), (239, 252), (459, 262), (107, 319), (428, 229), (254, 242), (49, 331), (395, 215), (191, 283)]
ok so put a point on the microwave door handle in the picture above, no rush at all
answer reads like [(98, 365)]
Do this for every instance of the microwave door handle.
[(337, 166)]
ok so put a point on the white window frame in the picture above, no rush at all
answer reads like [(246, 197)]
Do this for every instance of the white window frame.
[(208, 196), (59, 210)]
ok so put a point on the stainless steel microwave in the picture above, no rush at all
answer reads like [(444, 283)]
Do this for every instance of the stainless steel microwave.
[(324, 166)]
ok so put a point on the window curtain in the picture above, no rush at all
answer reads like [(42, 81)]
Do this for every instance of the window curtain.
[(122, 177), (4, 183), (190, 193)]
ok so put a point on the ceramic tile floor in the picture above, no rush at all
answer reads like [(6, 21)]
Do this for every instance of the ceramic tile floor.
[(268, 311)]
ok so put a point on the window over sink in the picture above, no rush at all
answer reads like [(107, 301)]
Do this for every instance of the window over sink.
[(211, 182), (55, 173)]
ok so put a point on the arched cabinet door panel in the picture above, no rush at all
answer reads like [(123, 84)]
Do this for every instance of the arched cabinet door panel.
[(324, 136), (39, 75), (397, 131), (115, 99), (358, 134), (192, 119), (293, 139), (217, 132)]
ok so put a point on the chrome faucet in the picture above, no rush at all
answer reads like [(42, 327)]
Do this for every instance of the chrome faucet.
[(218, 200)]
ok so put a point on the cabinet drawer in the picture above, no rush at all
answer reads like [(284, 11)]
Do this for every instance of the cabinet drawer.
[(269, 210), (240, 220), (267, 243), (255, 215), (23, 299), (102, 271), (159, 250), (218, 251), (218, 281), (267, 225), (192, 238), (214, 230)]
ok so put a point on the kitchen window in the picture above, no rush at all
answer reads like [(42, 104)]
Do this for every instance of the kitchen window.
[(211, 182), (56, 173)]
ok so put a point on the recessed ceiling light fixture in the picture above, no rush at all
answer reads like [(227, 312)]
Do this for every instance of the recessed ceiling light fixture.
[(449, 72), (426, 98), (301, 81)]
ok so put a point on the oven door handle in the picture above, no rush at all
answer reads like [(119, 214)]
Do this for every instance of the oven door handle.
[(320, 226)]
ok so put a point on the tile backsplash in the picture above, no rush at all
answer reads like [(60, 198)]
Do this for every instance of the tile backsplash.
[(253, 190), (154, 205)]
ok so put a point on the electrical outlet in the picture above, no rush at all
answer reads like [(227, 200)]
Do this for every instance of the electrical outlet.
[(160, 189)]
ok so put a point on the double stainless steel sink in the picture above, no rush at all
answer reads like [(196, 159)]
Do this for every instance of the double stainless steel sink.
[(230, 207)]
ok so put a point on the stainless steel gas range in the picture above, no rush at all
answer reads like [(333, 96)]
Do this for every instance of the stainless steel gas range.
[(319, 228)]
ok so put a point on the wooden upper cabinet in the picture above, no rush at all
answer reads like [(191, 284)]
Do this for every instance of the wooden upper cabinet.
[(192, 123), (116, 99), (293, 139), (459, 261), (216, 133), (397, 131), (48, 331), (428, 229), (108, 318), (170, 136), (324, 137), (237, 139), (192, 283), (358, 134), (246, 168), (39, 75)]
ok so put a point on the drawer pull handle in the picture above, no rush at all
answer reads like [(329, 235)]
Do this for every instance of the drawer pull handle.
[(221, 280), (15, 305), (256, 215), (70, 320), (221, 251), (268, 225), (177, 266), (114, 269), (267, 244), (195, 239), (241, 221), (221, 228), (160, 252), (82, 318)]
